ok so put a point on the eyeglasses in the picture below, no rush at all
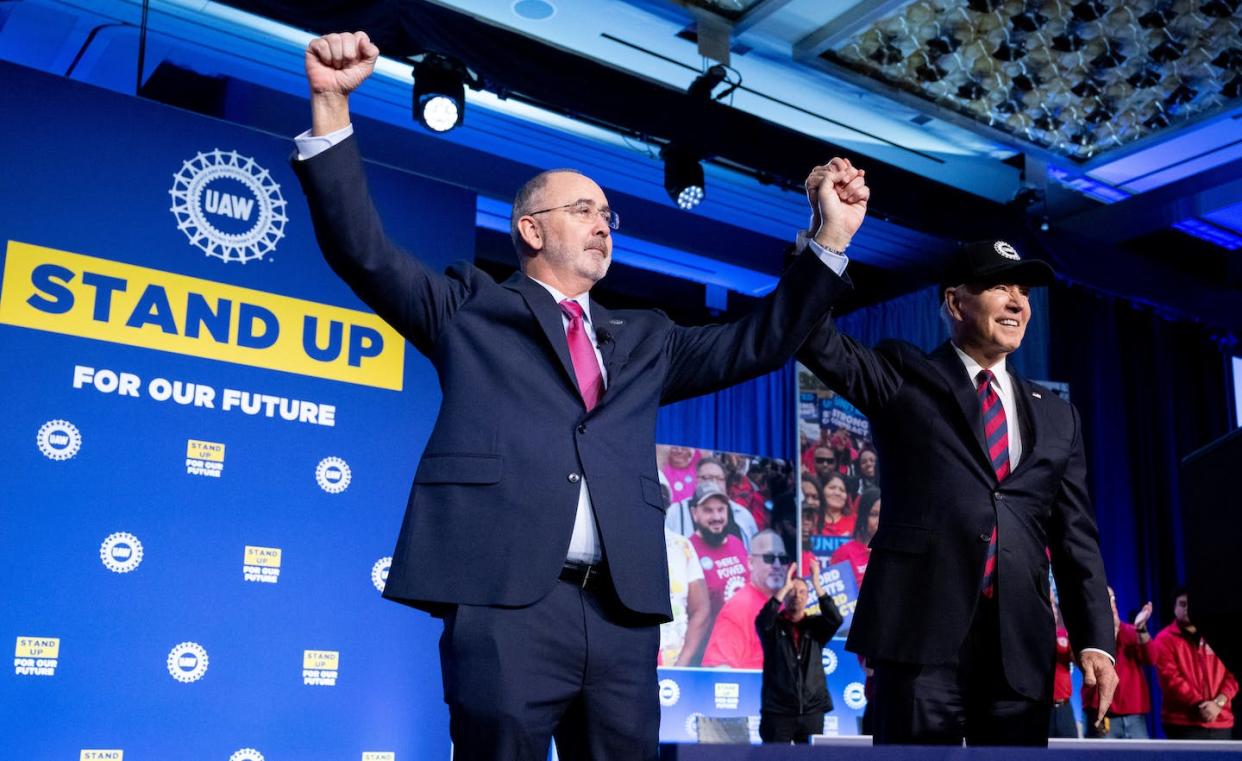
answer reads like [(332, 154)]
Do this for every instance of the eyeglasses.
[(771, 558), (825, 461), (583, 211)]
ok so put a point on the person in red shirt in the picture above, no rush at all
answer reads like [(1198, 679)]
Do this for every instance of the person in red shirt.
[(735, 641), (1127, 715), (722, 555), (1197, 690), (838, 519), (1061, 719), (858, 551)]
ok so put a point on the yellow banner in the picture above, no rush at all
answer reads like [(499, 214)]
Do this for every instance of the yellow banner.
[(85, 296), (37, 647), (326, 660), (204, 450), (268, 556)]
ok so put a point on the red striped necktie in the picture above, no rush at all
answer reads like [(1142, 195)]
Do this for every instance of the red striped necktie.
[(586, 364), (996, 434)]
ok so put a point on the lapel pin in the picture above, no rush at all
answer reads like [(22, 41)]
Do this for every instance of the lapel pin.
[(616, 322)]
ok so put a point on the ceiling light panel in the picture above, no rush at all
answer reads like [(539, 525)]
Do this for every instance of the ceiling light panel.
[(1077, 77)]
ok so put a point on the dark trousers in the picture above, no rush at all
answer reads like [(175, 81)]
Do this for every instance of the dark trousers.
[(567, 667), (1061, 722), (785, 729), (966, 700), (1180, 732)]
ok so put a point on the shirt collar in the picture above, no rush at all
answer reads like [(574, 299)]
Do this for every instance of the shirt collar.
[(973, 368), (584, 300)]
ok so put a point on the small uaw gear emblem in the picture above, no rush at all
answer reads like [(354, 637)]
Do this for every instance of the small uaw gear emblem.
[(1006, 250), (228, 206)]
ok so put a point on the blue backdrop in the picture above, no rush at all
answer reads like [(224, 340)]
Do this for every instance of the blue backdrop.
[(119, 545)]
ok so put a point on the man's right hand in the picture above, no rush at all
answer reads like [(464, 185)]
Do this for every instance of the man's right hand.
[(335, 65)]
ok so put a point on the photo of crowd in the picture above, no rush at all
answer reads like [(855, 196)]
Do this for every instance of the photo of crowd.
[(839, 478), (731, 533)]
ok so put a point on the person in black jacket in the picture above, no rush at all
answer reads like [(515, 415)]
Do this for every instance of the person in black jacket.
[(795, 693)]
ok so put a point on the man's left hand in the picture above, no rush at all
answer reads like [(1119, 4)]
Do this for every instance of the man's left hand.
[(1098, 672), (1209, 710)]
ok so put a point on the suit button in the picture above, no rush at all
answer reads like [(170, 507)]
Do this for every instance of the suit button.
[(574, 478), (582, 428), (985, 537)]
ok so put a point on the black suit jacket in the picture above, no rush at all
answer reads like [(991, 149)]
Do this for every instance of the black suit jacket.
[(492, 507), (941, 500)]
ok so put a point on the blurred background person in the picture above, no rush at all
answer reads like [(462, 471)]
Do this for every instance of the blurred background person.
[(722, 556), (794, 697), (678, 470), (858, 550), (868, 469), (734, 641), (1061, 721), (681, 638), (1196, 690), (709, 471), (1127, 716), (837, 518)]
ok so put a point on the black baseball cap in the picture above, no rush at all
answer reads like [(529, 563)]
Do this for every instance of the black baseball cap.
[(991, 262)]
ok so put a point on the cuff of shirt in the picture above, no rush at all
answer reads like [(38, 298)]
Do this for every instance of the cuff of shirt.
[(310, 145), (836, 262), (1096, 650)]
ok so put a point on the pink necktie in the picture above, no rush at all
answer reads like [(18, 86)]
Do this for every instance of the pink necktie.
[(586, 365), (996, 432)]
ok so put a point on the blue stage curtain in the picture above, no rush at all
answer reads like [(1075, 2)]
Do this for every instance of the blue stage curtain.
[(1151, 391), (756, 417)]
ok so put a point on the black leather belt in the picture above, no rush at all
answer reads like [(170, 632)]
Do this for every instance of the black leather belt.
[(583, 576)]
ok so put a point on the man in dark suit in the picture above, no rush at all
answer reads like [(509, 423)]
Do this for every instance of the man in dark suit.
[(542, 459), (983, 470)]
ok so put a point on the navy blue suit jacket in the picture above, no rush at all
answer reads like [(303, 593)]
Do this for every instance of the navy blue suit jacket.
[(941, 499), (493, 502)]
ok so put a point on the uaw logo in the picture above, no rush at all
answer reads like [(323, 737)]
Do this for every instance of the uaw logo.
[(379, 573), (670, 693), (829, 659), (261, 564), (121, 552), (333, 475), (204, 458), (727, 694), (246, 754), (855, 695), (101, 755), (692, 724), (36, 656), (187, 662), (320, 667), (228, 206), (58, 439), (378, 755), (1006, 250)]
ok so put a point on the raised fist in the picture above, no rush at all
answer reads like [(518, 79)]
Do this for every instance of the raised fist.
[(337, 63)]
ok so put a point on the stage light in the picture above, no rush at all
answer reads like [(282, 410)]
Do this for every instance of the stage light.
[(439, 92), (683, 176)]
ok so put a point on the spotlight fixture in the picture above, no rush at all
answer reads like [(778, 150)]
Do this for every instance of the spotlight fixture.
[(704, 83), (683, 176), (440, 91)]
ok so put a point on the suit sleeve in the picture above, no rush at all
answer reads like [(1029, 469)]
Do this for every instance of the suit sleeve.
[(711, 357), (402, 290), (1076, 560), (866, 377)]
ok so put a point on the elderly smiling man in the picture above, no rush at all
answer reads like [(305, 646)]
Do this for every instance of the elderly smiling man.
[(984, 476), (535, 528)]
